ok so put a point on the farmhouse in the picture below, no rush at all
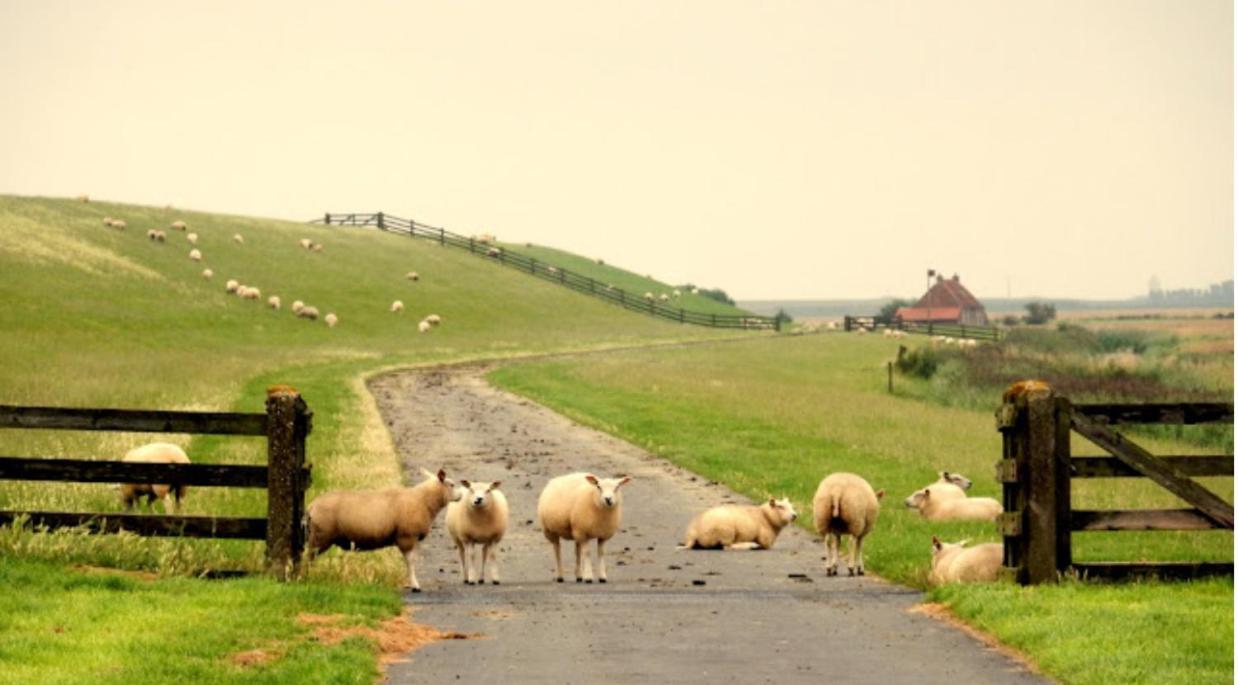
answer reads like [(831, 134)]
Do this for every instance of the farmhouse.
[(946, 302)]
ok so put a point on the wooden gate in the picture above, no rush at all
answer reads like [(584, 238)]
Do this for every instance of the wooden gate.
[(1037, 467)]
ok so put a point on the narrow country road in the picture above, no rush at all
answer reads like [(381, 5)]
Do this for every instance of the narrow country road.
[(666, 615)]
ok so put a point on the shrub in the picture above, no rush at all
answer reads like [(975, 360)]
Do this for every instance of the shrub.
[(921, 362), (1040, 312), (717, 294), (888, 309)]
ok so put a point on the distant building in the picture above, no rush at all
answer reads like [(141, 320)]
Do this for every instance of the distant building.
[(946, 302)]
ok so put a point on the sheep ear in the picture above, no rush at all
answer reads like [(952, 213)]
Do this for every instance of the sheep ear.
[(624, 480), (591, 478), (881, 493), (442, 476), (936, 543), (773, 502), (465, 483), (495, 485)]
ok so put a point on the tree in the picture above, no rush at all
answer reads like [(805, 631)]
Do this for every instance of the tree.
[(1040, 312), (783, 316), (888, 309)]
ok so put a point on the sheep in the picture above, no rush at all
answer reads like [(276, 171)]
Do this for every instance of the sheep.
[(273, 302), (297, 306), (424, 326), (934, 507), (83, 198), (833, 325), (307, 312), (195, 255), (696, 291), (478, 517), (956, 479), (207, 273), (118, 224), (316, 247), (663, 297), (154, 453), (250, 293), (736, 527), (581, 507), (374, 519), (152, 235), (331, 319), (845, 504), (649, 296), (552, 269), (305, 243), (494, 252), (413, 276), (676, 293), (861, 331), (192, 238), (107, 221), (178, 226), (232, 285), (397, 307), (434, 319), (238, 238), (957, 563)]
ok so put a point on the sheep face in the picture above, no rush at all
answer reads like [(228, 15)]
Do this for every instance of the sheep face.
[(918, 499), (782, 510), (956, 478), (608, 496), (476, 495)]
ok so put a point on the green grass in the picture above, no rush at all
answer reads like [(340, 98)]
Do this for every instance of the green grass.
[(772, 417), (625, 280)]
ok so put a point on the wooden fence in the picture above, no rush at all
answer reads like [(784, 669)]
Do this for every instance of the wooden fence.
[(286, 477), (549, 272), (1037, 468), (952, 330)]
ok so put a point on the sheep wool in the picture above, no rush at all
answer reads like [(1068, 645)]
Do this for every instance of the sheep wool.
[(195, 255), (154, 453), (273, 302), (478, 516), (845, 504), (397, 307), (957, 563), (737, 527), (581, 507), (207, 273), (938, 502), (331, 319)]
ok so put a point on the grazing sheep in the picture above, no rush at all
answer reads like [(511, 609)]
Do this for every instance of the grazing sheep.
[(581, 507), (845, 504), (305, 243), (232, 285), (178, 226), (83, 198), (107, 221), (397, 307), (310, 313), (663, 297), (956, 563), (861, 331), (434, 319), (833, 325), (374, 519), (649, 296), (424, 326), (273, 302), (192, 238), (154, 235), (252, 294), (413, 276), (207, 273), (238, 238), (331, 319), (195, 255), (118, 224), (478, 517), (952, 508), (553, 270), (494, 252), (154, 453), (316, 247), (736, 527), (677, 293)]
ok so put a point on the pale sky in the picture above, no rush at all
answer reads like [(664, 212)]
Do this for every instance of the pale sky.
[(776, 149)]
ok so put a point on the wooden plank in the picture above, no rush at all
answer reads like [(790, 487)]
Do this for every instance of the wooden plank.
[(1164, 473), (1163, 412), (1176, 570), (165, 526), (1141, 519), (1041, 526), (91, 471), (1061, 481), (1191, 465), (132, 420)]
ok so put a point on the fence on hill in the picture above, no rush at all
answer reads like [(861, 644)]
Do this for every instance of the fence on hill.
[(952, 330), (549, 272), (1037, 467), (285, 425)]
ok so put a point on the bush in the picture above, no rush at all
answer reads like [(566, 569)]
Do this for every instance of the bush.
[(717, 294), (921, 362), (1040, 312), (888, 309)]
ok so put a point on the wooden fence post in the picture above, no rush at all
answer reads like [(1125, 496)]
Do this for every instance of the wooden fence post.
[(1035, 472), (382, 225), (326, 218), (287, 427)]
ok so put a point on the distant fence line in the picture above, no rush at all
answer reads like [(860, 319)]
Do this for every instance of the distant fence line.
[(953, 330), (549, 272)]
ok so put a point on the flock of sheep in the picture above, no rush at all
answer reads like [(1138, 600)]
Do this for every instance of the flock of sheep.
[(246, 292)]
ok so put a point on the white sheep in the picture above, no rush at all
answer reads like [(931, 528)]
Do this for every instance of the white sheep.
[(297, 306), (737, 527), (424, 326), (154, 453), (434, 319), (845, 504), (663, 297), (249, 293), (107, 221), (195, 255), (151, 235), (273, 302), (118, 224), (553, 270), (238, 238), (957, 563), (207, 273), (677, 293), (331, 319), (178, 226), (374, 519), (494, 252), (316, 247), (192, 238), (581, 507), (232, 285), (861, 331), (413, 276), (397, 307), (649, 296), (478, 517), (305, 243), (308, 312), (951, 507)]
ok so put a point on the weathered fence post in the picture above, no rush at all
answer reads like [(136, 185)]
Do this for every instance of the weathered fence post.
[(890, 377), (287, 427), (382, 225), (847, 323), (1035, 476), (326, 218)]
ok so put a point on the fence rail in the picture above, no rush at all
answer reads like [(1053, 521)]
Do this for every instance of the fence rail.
[(1037, 467), (549, 272), (286, 424), (951, 330)]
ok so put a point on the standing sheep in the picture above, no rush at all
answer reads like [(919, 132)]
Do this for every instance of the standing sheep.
[(238, 239), (934, 507), (374, 519), (845, 504), (581, 507), (154, 453), (331, 319), (119, 224), (316, 247), (424, 326), (737, 527), (195, 255), (305, 243), (413, 276), (397, 307), (307, 312), (192, 238), (249, 293), (434, 319), (297, 306), (273, 302), (957, 563), (178, 226), (207, 273), (479, 517)]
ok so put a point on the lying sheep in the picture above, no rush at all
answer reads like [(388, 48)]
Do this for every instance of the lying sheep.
[(154, 453), (273, 302), (307, 312), (107, 221), (424, 326), (297, 306), (413, 276), (737, 527), (316, 247), (494, 252), (331, 319), (649, 296), (952, 508), (192, 238), (207, 273), (248, 293), (195, 255), (374, 519), (397, 307), (478, 517), (178, 226), (956, 563), (232, 285), (845, 504), (581, 507), (305, 243), (238, 238)]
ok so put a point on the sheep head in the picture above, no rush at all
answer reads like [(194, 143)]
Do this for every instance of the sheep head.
[(608, 489)]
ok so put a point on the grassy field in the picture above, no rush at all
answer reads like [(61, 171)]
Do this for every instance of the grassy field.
[(99, 317), (772, 417)]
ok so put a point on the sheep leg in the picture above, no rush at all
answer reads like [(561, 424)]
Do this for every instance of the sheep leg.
[(491, 550), (601, 561), (412, 570), (582, 551), (831, 554), (858, 554), (558, 560), (464, 562), (743, 546), (481, 575)]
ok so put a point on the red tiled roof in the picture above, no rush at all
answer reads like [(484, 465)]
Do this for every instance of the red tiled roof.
[(948, 292), (924, 313)]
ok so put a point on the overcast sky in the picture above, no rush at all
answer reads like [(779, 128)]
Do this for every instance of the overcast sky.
[(776, 149)]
